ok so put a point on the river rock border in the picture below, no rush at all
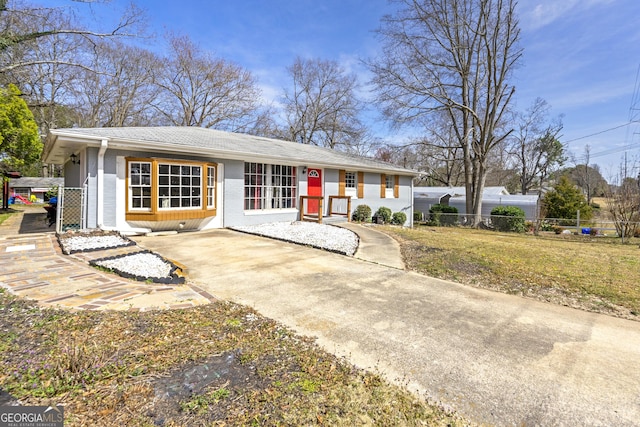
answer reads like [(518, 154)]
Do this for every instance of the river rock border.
[(174, 278)]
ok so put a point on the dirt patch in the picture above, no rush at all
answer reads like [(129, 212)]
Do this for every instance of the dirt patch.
[(210, 383)]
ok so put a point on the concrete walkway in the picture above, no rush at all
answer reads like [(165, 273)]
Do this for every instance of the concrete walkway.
[(495, 358), (375, 246)]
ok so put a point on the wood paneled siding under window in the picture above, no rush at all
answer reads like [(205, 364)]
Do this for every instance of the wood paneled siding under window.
[(164, 190)]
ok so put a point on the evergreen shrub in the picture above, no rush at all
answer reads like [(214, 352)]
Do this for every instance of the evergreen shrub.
[(508, 218), (362, 213), (399, 218), (384, 213), (443, 215)]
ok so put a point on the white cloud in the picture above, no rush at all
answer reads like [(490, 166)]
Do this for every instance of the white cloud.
[(536, 14)]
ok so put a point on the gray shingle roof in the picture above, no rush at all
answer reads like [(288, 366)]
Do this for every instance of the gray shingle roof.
[(35, 182), (220, 143)]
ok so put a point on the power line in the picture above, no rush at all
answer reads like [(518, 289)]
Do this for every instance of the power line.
[(614, 150), (635, 99), (601, 132)]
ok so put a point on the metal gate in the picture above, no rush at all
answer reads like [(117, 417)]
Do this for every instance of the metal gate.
[(71, 212)]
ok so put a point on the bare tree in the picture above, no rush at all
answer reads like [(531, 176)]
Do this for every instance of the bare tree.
[(122, 92), (500, 168), (48, 77), (322, 108), (22, 26), (199, 89), (623, 203), (45, 51), (588, 177), (456, 57), (441, 153), (534, 145)]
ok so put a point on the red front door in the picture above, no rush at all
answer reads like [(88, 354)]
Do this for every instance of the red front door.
[(314, 188)]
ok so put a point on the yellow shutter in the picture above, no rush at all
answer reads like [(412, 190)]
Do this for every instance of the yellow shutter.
[(341, 182), (360, 185), (383, 185), (396, 186)]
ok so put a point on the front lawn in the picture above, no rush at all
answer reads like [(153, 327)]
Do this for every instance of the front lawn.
[(592, 273)]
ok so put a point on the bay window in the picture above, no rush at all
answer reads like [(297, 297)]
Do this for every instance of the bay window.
[(158, 188)]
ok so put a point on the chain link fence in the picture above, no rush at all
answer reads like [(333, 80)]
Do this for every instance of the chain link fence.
[(556, 225)]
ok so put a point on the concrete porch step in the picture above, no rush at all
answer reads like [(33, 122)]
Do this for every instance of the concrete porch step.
[(337, 219)]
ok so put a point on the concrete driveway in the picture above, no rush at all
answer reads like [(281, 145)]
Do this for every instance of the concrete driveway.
[(494, 358)]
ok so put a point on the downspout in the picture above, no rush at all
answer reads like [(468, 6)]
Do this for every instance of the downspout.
[(413, 206), (100, 184)]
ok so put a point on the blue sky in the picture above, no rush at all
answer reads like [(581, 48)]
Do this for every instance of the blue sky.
[(581, 56)]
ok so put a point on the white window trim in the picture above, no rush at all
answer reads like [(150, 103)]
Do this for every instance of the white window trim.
[(267, 197), (389, 191), (131, 186), (212, 187), (351, 191)]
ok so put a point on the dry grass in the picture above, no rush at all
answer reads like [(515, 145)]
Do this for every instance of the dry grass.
[(221, 364), (4, 215), (591, 273)]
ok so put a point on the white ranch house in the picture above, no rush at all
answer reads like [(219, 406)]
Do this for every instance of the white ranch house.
[(141, 179)]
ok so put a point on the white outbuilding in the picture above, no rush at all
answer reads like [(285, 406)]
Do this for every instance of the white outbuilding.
[(425, 197)]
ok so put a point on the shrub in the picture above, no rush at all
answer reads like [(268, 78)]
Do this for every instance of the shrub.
[(362, 213), (399, 218), (546, 226), (384, 214), (417, 216), (508, 218), (443, 215), (564, 201)]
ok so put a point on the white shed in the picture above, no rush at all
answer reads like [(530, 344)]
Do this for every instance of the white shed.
[(425, 197)]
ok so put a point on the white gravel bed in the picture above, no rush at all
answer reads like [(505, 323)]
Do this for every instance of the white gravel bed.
[(322, 236), (88, 242), (142, 264)]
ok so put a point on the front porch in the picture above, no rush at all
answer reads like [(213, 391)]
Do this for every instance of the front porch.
[(312, 208)]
